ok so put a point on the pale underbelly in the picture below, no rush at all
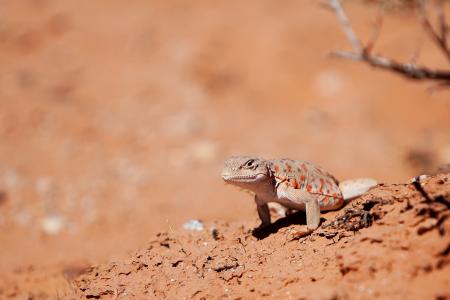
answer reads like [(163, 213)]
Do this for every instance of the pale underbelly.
[(329, 204), (289, 204)]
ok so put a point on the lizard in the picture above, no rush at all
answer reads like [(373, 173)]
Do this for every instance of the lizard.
[(294, 184)]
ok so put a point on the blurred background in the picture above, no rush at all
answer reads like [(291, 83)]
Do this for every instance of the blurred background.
[(116, 116)]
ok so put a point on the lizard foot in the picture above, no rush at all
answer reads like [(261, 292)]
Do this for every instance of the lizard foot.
[(298, 233)]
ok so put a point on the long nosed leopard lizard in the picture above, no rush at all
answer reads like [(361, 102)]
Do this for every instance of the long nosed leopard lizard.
[(295, 184)]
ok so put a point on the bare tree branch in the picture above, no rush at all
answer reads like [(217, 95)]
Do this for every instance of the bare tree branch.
[(375, 33), (409, 70), (441, 38), (415, 55), (345, 23), (442, 22), (438, 87)]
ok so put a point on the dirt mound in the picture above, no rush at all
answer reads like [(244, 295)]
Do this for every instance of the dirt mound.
[(393, 242)]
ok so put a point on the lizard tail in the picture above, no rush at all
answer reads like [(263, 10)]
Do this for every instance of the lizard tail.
[(356, 187)]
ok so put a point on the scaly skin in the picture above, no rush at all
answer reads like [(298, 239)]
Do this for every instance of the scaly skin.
[(295, 184)]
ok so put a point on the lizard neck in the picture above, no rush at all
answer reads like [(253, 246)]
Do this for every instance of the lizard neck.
[(264, 188)]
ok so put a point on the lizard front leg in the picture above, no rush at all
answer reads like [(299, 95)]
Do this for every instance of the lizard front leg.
[(302, 197), (312, 208), (263, 212)]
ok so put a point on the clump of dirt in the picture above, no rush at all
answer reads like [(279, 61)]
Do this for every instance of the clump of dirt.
[(393, 242)]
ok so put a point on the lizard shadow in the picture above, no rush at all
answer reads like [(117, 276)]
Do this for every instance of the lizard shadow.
[(296, 218)]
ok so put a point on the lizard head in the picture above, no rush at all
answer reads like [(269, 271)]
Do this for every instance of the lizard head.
[(243, 170)]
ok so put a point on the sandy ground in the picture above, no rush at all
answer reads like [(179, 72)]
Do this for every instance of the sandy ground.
[(116, 118), (392, 243)]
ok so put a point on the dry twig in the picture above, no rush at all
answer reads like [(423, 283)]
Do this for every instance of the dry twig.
[(440, 39), (410, 70)]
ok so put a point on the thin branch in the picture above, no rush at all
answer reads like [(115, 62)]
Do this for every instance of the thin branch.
[(375, 33), (363, 53), (415, 55), (408, 70), (442, 23), (439, 39), (444, 85), (346, 26)]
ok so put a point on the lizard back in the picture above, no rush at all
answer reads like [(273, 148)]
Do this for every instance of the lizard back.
[(304, 175)]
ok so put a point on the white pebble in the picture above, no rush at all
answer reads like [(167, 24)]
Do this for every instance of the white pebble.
[(53, 224), (193, 225)]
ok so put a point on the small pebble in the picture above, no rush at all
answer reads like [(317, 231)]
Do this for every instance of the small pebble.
[(193, 225), (53, 224)]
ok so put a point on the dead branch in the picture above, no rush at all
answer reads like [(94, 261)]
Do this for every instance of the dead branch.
[(346, 26), (375, 33), (409, 70), (440, 39)]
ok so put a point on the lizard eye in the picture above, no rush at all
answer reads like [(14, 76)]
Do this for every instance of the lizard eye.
[(249, 163)]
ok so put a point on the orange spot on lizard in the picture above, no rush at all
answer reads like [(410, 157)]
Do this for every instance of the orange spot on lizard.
[(293, 183), (304, 168), (288, 167)]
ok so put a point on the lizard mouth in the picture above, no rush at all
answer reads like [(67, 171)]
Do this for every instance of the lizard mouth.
[(243, 178)]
